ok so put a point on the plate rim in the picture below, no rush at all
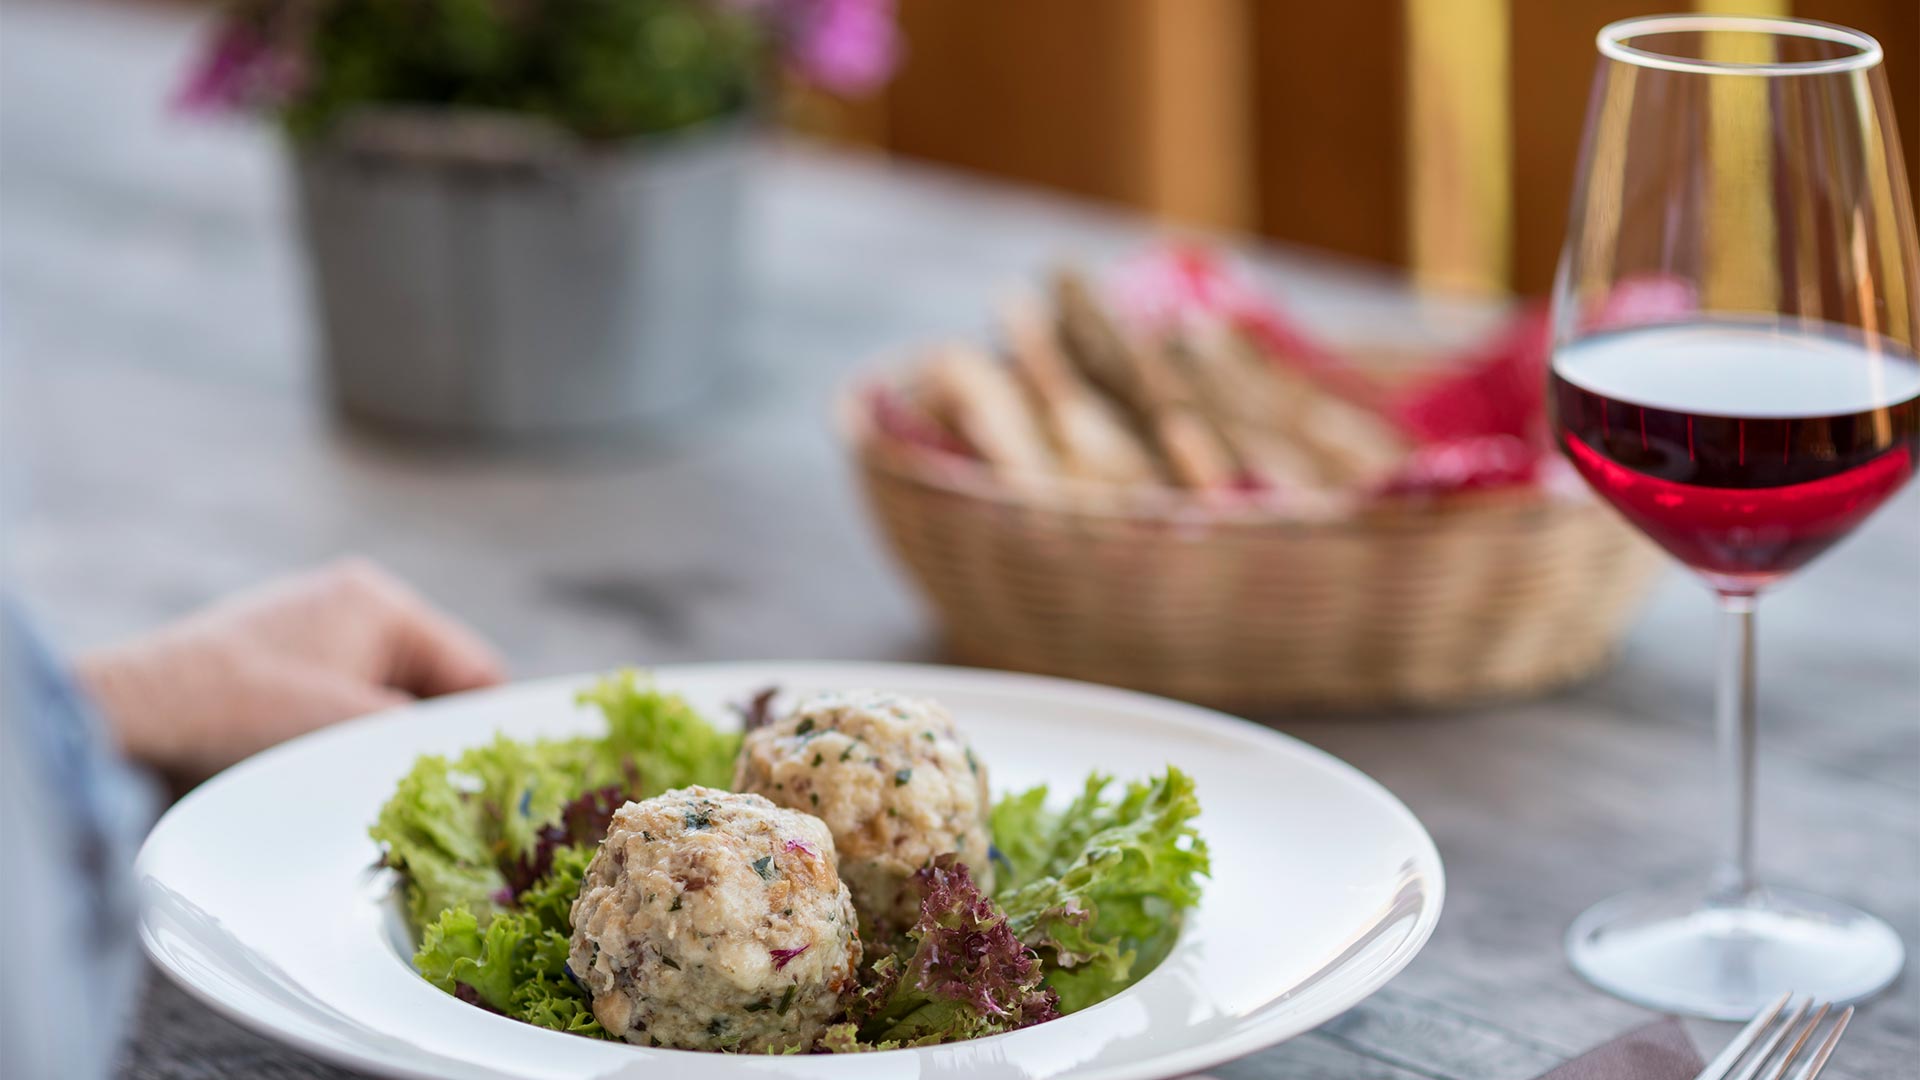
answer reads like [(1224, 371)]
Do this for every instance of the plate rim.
[(1175, 1063)]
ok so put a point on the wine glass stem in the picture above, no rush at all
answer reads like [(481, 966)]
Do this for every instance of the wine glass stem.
[(1735, 708)]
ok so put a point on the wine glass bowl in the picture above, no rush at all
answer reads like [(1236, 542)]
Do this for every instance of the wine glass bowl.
[(1734, 371), (1742, 447)]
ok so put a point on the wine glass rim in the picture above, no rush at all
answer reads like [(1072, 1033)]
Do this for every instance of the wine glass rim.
[(1614, 36)]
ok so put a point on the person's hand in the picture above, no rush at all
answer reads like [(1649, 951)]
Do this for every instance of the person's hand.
[(270, 663)]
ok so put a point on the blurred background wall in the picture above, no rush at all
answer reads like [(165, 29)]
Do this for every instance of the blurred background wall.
[(1296, 120)]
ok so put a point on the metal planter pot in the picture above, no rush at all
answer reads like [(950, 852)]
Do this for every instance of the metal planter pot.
[(488, 275)]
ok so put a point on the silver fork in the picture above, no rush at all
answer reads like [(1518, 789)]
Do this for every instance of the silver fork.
[(1775, 1038)]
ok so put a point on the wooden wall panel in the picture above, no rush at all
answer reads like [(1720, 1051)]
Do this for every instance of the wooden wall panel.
[(1329, 83), (1553, 63), (1553, 68), (1896, 24), (1042, 91), (1286, 118), (1200, 114), (1146, 102), (1459, 131)]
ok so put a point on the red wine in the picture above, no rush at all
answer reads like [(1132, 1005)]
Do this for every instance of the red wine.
[(1745, 450)]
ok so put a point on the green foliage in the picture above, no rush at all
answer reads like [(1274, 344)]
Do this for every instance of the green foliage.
[(601, 68)]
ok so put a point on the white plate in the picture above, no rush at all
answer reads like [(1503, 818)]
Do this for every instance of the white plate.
[(258, 897)]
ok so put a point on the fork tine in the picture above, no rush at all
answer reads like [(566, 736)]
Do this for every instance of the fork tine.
[(1720, 1066), (1765, 1053), (1800, 1042), (1820, 1056)]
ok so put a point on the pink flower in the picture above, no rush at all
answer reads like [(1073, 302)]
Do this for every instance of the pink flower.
[(847, 46), (240, 69)]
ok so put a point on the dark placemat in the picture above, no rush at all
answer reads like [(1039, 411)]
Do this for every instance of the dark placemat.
[(177, 1038)]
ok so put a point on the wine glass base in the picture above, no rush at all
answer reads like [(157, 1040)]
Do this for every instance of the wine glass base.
[(1674, 950)]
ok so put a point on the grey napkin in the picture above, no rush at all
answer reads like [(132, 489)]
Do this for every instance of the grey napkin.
[(1658, 1051)]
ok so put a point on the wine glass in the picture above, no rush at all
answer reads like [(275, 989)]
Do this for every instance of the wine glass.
[(1734, 371)]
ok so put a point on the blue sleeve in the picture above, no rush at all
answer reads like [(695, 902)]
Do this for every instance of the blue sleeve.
[(71, 817)]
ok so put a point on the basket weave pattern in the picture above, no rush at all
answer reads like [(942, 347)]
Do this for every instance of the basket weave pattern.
[(1473, 599)]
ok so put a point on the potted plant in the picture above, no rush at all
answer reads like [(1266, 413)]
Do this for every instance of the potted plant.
[(522, 216)]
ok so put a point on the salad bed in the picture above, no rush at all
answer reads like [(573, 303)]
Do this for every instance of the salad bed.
[(492, 845)]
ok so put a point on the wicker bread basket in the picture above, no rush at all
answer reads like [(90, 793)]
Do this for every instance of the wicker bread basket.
[(1470, 598)]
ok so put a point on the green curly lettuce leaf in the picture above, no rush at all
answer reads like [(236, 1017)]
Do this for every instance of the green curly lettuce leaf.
[(469, 833), (436, 834), (517, 963), (660, 736), (515, 966), (1097, 888), (550, 901), (547, 996), (456, 950), (524, 785), (844, 1038)]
